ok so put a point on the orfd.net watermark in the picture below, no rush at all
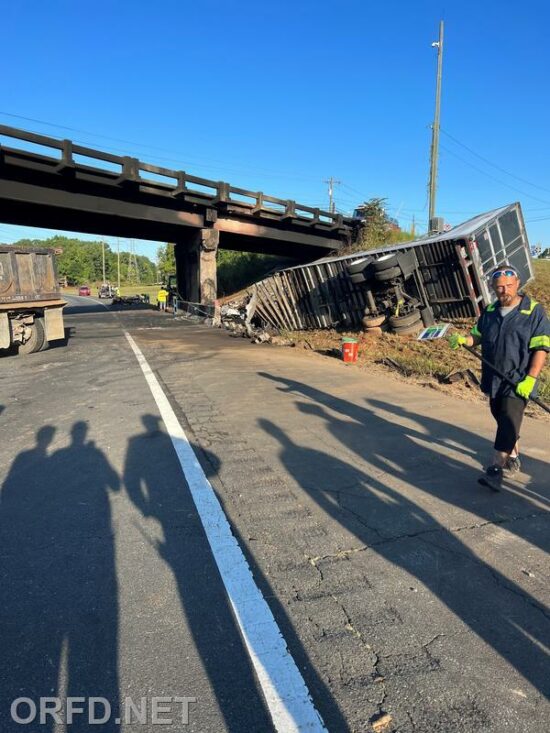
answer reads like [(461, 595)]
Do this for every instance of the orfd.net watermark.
[(98, 710)]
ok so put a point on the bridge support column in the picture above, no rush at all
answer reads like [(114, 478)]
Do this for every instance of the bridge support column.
[(196, 265)]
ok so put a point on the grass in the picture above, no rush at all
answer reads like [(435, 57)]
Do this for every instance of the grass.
[(540, 287)]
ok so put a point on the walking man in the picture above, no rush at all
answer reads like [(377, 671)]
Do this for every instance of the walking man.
[(161, 298), (514, 333)]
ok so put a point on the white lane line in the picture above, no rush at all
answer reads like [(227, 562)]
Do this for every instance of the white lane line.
[(285, 691)]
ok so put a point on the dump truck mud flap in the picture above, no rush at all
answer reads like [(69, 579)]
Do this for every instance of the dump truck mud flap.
[(5, 331), (53, 321)]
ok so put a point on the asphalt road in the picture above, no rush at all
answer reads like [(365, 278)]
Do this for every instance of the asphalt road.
[(400, 586)]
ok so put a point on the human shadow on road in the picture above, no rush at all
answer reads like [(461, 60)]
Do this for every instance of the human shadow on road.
[(424, 451), (401, 531), (58, 586), (158, 489)]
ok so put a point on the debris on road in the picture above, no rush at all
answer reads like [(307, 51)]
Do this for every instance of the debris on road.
[(382, 723), (131, 299)]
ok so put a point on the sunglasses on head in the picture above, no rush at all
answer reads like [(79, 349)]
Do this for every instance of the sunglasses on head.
[(504, 273)]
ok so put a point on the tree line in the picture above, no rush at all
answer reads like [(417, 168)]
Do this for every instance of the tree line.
[(81, 262)]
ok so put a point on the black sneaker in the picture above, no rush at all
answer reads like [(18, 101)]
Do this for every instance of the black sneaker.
[(492, 478), (513, 464)]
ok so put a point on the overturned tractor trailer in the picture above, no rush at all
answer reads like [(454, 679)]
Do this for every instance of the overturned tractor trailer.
[(31, 307), (443, 276)]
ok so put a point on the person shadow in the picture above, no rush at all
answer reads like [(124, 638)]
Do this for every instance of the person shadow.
[(437, 458), (58, 586), (159, 491), (401, 531)]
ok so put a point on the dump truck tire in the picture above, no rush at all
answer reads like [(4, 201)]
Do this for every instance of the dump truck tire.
[(45, 342), (385, 262), (36, 340), (391, 273), (403, 321), (373, 321)]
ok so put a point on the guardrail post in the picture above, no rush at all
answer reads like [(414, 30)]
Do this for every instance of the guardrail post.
[(259, 202), (66, 157), (290, 210), (223, 193), (130, 170), (181, 188)]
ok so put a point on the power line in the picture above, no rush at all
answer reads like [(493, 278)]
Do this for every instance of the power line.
[(494, 165), (213, 164), (493, 178)]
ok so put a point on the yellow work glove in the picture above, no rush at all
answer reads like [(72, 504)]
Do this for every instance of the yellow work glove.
[(525, 387), (456, 340)]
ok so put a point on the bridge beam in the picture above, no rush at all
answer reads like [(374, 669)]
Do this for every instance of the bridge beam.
[(196, 265)]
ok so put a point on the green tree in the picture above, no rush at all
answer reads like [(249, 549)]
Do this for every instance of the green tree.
[(166, 260), (377, 229), (82, 262), (236, 270)]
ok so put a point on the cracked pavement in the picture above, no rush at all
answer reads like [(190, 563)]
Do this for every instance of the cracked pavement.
[(401, 586)]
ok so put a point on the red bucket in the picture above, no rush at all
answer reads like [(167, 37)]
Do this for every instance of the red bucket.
[(350, 350)]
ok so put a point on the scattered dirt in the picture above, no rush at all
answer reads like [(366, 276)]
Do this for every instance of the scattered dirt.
[(425, 363)]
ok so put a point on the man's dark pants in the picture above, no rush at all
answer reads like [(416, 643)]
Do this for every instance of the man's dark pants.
[(508, 412)]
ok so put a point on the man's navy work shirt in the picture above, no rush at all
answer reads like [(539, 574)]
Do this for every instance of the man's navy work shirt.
[(508, 342)]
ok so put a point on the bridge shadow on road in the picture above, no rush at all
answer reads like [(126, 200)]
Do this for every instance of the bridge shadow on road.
[(58, 585), (393, 525)]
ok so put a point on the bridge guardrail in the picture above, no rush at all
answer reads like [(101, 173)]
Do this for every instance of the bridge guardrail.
[(126, 170)]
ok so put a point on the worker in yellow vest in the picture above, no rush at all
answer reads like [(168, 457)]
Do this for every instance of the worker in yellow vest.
[(162, 295)]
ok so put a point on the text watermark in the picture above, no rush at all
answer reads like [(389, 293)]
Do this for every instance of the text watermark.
[(98, 710)]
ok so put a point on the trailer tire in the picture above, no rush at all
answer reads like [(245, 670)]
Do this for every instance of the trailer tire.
[(391, 273), (357, 278), (373, 321), (413, 328), (359, 266), (403, 321), (385, 262), (375, 330), (36, 340)]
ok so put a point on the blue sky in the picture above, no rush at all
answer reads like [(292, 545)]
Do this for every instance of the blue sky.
[(278, 97)]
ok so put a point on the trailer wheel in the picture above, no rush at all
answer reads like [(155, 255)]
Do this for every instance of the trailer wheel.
[(385, 262), (375, 330), (403, 321), (357, 278), (373, 321), (391, 273), (35, 341), (413, 328), (359, 265)]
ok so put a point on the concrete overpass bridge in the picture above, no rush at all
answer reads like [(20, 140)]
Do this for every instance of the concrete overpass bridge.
[(57, 184)]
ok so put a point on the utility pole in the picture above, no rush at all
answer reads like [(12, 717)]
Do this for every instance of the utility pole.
[(331, 183), (413, 227), (103, 258), (133, 268), (118, 261), (435, 127)]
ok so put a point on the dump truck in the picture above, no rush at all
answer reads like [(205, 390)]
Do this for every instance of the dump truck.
[(31, 306)]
